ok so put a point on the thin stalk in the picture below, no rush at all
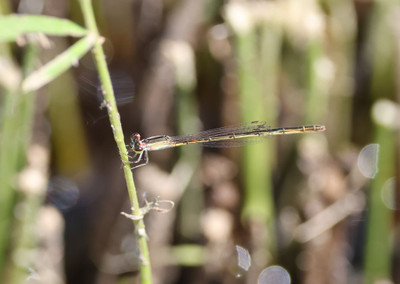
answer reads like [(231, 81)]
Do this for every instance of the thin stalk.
[(379, 242), (110, 104), (24, 237), (256, 175), (379, 235), (258, 53), (71, 155), (257, 160), (7, 193), (15, 132), (192, 202), (9, 161), (316, 97), (338, 88), (261, 103)]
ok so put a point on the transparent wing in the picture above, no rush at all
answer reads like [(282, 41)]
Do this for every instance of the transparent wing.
[(229, 136)]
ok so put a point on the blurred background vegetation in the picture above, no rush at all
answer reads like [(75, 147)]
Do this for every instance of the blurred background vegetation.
[(320, 208)]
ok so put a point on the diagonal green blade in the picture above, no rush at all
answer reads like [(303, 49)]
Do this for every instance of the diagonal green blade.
[(59, 64), (13, 26)]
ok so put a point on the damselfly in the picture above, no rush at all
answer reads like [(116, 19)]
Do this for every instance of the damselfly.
[(218, 137)]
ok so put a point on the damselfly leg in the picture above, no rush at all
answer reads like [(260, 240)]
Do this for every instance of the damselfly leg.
[(142, 160), (139, 151)]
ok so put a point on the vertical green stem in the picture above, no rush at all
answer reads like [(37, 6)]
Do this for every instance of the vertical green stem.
[(6, 190), (379, 244), (339, 89), (317, 94), (255, 169), (15, 132), (9, 156), (24, 236), (258, 71), (191, 203), (110, 104)]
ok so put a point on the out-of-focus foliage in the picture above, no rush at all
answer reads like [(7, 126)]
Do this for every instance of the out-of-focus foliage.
[(312, 208)]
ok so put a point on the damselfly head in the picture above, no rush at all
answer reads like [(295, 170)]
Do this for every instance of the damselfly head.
[(136, 143)]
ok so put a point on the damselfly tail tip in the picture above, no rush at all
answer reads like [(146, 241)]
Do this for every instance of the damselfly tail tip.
[(320, 128)]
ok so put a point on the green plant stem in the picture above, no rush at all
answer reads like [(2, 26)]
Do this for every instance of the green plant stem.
[(15, 132), (9, 158), (257, 70), (58, 65), (379, 242), (110, 104), (24, 238), (192, 202), (379, 245), (316, 103)]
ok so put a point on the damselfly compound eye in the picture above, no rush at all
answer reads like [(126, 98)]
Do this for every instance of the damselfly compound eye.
[(135, 136)]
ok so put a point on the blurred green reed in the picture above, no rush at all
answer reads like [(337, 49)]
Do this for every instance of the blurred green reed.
[(340, 46), (191, 204), (317, 91), (6, 173), (17, 236), (24, 235), (71, 156), (382, 39), (257, 61), (15, 131), (379, 246)]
